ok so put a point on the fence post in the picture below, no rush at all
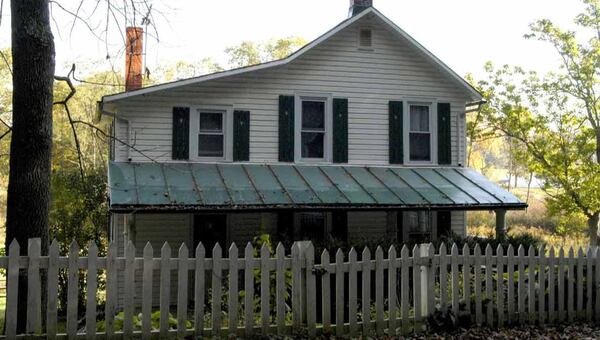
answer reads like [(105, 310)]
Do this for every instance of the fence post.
[(311, 291), (427, 280), (12, 289), (296, 286)]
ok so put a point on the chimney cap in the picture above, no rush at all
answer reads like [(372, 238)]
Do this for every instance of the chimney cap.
[(357, 6)]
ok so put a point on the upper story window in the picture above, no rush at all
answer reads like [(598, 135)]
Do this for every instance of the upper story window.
[(313, 129), (211, 134), (420, 140)]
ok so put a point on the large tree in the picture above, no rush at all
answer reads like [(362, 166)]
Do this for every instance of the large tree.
[(556, 119)]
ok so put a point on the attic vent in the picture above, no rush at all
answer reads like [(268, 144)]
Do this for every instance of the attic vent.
[(365, 38)]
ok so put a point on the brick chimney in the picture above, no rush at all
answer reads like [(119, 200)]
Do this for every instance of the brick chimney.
[(357, 6), (134, 58)]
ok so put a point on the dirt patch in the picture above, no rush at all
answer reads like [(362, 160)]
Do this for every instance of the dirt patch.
[(576, 331)]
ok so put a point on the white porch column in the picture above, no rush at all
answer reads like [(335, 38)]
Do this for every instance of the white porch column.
[(500, 224)]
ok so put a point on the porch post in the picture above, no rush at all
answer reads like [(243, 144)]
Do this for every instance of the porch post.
[(500, 224)]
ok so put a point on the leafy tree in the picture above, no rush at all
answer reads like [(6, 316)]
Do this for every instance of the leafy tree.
[(252, 53)]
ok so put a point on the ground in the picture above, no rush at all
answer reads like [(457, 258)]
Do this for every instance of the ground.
[(577, 331)]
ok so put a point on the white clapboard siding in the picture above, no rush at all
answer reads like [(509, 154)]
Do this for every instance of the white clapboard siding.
[(393, 70), (411, 292)]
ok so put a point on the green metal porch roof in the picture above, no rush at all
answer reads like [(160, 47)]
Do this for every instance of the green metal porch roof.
[(199, 186)]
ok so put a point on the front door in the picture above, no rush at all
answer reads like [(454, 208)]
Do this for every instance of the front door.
[(210, 229)]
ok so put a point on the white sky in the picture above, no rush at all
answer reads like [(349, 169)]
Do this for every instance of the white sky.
[(462, 33)]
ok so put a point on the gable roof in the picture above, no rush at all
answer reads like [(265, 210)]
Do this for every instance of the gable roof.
[(475, 95)]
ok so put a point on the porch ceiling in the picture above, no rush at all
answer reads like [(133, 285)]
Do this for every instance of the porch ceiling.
[(199, 186)]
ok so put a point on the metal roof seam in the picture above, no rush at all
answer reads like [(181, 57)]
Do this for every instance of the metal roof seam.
[(385, 185), (280, 184), (231, 200), (197, 187), (334, 185), (135, 182), (307, 184), (433, 186), (410, 186), (359, 184), (456, 186), (162, 171), (479, 186), (258, 193)]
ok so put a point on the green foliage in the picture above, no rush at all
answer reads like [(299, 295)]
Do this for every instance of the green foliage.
[(252, 53), (137, 322), (554, 120)]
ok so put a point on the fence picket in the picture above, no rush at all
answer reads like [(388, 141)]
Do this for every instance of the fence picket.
[(311, 291), (455, 280), (111, 290), (589, 273), (128, 297), (551, 286), (443, 277), (392, 289), (561, 286), (404, 290), (339, 293), (522, 290), (199, 285), (478, 286), (148, 275), (92, 288), (531, 284), (352, 292), (34, 298), (280, 288), (182, 290), (489, 286), (466, 278), (217, 290), (571, 286), (366, 291), (12, 286), (72, 290), (165, 288), (249, 289), (510, 291), (265, 292), (580, 265), (542, 286), (232, 303), (379, 326), (51, 316), (325, 292), (500, 285)]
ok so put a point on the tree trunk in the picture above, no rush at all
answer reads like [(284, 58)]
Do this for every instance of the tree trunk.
[(594, 229), (31, 143)]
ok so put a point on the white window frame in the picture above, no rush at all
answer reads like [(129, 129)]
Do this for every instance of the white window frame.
[(358, 39), (328, 139), (227, 112), (432, 126)]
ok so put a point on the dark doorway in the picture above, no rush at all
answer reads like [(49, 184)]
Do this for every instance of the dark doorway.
[(210, 230)]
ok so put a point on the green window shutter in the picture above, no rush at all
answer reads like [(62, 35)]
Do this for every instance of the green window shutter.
[(286, 128), (340, 130), (181, 133), (396, 132), (241, 136), (444, 136)]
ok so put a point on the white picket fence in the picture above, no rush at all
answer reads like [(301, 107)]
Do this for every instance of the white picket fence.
[(384, 294)]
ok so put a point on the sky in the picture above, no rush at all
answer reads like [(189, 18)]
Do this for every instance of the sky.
[(462, 33)]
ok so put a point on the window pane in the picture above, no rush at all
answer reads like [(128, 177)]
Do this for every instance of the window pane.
[(210, 145), (312, 226), (420, 147), (312, 144), (419, 118), (313, 115), (211, 121)]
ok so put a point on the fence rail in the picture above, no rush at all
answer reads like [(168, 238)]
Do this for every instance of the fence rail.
[(385, 293)]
